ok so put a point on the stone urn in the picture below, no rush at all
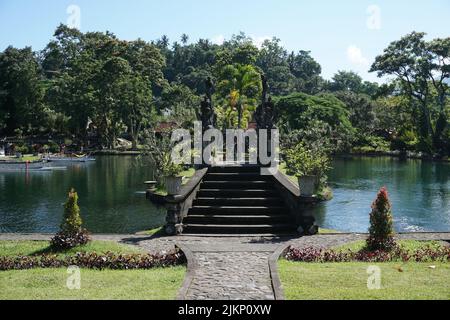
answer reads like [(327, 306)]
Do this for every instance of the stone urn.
[(307, 185), (173, 185)]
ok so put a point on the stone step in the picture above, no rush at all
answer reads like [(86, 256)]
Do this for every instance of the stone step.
[(237, 185), (243, 202), (234, 169), (283, 228), (248, 193), (237, 219), (238, 210), (233, 176)]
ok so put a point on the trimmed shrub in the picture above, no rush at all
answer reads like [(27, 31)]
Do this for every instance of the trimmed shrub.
[(71, 233), (95, 261), (381, 233), (425, 254)]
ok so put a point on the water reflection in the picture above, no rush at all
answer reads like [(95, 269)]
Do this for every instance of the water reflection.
[(419, 192), (33, 202)]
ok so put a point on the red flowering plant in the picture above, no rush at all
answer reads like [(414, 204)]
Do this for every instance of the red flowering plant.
[(381, 233)]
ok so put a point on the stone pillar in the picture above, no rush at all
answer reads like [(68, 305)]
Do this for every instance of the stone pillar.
[(173, 219)]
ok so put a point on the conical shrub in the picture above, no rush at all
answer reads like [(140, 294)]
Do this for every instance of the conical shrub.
[(381, 233), (71, 233), (72, 220)]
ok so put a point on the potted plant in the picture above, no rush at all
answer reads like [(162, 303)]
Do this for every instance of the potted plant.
[(171, 173), (307, 165)]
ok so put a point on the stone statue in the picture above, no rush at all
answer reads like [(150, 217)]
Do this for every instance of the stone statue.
[(207, 110), (264, 114)]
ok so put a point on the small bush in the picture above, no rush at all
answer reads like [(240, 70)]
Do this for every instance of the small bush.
[(398, 253), (95, 261), (64, 241), (301, 161), (53, 147), (381, 233), (71, 234)]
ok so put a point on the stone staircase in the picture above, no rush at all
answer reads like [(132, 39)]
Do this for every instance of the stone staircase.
[(238, 200)]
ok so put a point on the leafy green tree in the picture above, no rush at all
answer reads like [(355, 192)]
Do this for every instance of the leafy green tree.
[(299, 111), (240, 87), (361, 108), (439, 73), (179, 104), (136, 107), (346, 81), (413, 63), (307, 72), (21, 92)]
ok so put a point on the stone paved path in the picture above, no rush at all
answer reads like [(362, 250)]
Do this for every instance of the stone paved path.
[(231, 276), (231, 268)]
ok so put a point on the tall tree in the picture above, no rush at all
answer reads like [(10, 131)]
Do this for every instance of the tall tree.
[(241, 86), (307, 72), (414, 64), (21, 92)]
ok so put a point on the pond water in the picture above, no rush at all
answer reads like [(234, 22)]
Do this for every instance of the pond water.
[(419, 192), (112, 198)]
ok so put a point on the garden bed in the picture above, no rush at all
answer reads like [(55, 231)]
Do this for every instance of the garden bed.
[(101, 278), (418, 270)]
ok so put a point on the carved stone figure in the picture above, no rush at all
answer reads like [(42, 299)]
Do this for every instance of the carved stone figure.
[(264, 114), (207, 110)]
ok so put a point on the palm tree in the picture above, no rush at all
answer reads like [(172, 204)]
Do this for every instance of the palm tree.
[(184, 38), (242, 85)]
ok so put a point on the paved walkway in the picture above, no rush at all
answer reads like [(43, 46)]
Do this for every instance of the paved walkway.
[(224, 271), (232, 268)]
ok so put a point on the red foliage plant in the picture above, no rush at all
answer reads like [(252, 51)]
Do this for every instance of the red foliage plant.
[(381, 233)]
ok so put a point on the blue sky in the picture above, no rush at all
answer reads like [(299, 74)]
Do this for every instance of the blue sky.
[(341, 35)]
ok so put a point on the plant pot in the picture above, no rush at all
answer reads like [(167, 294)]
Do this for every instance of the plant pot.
[(307, 185), (173, 185)]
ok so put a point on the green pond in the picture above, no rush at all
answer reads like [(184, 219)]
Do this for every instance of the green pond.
[(112, 198)]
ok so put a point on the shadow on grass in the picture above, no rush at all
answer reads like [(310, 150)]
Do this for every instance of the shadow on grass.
[(48, 251)]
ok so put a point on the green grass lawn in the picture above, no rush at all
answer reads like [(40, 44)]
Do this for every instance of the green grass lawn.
[(28, 248), (35, 284), (154, 284), (28, 157), (342, 281), (348, 280), (327, 231)]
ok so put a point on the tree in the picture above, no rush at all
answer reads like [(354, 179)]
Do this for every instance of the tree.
[(21, 92), (136, 107), (307, 72), (361, 108), (71, 233), (408, 60), (240, 85), (381, 233), (107, 82), (346, 81), (439, 73), (299, 111), (179, 104), (184, 38)]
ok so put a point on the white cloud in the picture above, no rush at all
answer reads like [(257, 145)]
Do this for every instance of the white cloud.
[(219, 39), (355, 56)]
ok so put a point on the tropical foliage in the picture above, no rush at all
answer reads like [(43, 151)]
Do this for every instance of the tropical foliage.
[(95, 88)]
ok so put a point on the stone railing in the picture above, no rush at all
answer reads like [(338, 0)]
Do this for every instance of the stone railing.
[(177, 206), (296, 203)]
